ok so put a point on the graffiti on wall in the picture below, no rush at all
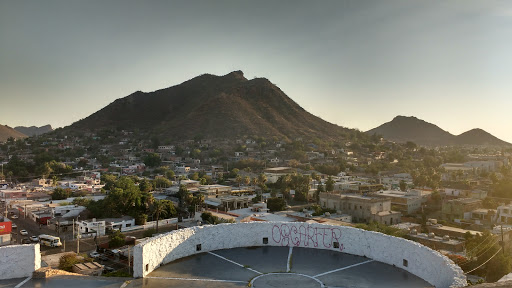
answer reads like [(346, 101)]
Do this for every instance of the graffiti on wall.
[(306, 236)]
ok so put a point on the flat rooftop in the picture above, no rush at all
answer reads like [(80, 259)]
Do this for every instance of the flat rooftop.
[(277, 267)]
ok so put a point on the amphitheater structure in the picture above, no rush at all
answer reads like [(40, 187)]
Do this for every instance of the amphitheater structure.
[(419, 260)]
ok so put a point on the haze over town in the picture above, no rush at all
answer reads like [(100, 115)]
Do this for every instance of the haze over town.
[(337, 143), (354, 64)]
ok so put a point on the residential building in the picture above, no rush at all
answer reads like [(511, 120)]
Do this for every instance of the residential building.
[(361, 208), (453, 232), (215, 191), (402, 201), (438, 243), (274, 173), (94, 227), (461, 208), (505, 214)]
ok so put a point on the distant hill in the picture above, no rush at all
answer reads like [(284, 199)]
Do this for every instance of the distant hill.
[(479, 137), (215, 107), (6, 132), (403, 129), (33, 130)]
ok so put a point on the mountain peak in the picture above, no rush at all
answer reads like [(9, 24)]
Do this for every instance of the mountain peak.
[(34, 130), (410, 128), (7, 132), (236, 74), (405, 118)]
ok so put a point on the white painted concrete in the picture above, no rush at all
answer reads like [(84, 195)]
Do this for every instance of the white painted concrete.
[(19, 261), (422, 261)]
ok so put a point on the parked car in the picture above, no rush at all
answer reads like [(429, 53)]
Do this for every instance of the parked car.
[(14, 226), (94, 254), (14, 216), (25, 241), (107, 269), (34, 238), (103, 257), (24, 232)]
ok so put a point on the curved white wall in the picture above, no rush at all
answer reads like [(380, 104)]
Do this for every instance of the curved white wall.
[(423, 262), (17, 261)]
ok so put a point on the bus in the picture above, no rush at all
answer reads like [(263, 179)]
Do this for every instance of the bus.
[(48, 240)]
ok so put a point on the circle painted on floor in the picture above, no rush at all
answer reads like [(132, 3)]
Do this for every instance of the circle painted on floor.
[(277, 280)]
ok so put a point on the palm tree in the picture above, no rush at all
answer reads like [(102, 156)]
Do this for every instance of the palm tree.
[(247, 180), (238, 179), (262, 179), (158, 208)]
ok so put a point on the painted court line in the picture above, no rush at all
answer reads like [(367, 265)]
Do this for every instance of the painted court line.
[(23, 282), (340, 269), (288, 264), (195, 279), (224, 258)]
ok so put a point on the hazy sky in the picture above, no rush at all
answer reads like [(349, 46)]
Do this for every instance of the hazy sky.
[(354, 63)]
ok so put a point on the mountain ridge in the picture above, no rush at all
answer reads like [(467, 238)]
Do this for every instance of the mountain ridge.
[(7, 132), (410, 128), (34, 130), (213, 106)]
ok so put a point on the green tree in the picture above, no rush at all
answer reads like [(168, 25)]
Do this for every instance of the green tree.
[(117, 239), (158, 209), (141, 219), (238, 180), (162, 182), (276, 204), (329, 184), (170, 175), (234, 173), (152, 160), (80, 201), (319, 189), (108, 180), (246, 180), (67, 261), (262, 180), (145, 185), (196, 153), (60, 194), (184, 196), (498, 267)]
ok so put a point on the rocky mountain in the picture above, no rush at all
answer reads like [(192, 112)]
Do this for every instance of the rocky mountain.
[(33, 130), (215, 107), (403, 129), (6, 132), (479, 137)]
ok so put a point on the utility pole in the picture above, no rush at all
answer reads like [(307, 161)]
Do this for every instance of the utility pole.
[(502, 241), (78, 237), (129, 259), (78, 243)]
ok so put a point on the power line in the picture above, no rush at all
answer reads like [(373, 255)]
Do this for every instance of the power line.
[(487, 249), (490, 236), (485, 261)]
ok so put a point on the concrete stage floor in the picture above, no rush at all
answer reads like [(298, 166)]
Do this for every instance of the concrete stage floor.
[(277, 267)]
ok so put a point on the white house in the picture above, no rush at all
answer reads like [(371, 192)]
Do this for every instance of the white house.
[(94, 227), (67, 211), (505, 214)]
